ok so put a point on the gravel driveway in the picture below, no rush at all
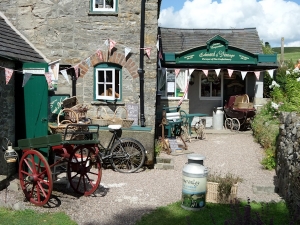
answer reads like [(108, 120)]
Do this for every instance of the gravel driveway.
[(124, 198)]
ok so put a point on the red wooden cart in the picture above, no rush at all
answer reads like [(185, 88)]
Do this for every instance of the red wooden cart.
[(75, 152)]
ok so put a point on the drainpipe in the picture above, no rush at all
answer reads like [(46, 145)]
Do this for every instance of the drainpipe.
[(141, 71), (74, 79)]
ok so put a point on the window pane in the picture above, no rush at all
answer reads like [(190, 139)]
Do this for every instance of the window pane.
[(170, 83), (109, 90), (180, 84), (205, 86), (101, 89), (109, 76), (100, 76), (117, 83)]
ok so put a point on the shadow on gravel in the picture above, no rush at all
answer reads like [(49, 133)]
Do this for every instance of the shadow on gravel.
[(130, 216)]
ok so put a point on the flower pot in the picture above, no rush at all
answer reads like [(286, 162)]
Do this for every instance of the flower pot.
[(212, 194)]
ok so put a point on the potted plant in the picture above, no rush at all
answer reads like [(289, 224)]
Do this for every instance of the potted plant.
[(222, 188)]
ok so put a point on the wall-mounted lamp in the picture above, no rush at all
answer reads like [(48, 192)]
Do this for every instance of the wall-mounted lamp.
[(10, 154), (191, 81)]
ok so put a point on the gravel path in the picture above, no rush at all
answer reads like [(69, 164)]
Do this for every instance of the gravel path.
[(124, 198)]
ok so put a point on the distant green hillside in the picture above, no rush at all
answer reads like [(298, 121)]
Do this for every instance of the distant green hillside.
[(290, 53), (287, 49)]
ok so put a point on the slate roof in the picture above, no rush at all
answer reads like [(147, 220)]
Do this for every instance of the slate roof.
[(179, 40), (14, 47)]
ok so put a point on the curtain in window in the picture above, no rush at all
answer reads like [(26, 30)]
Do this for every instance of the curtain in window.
[(180, 80)]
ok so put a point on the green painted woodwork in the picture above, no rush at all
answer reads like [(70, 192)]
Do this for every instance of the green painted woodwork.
[(217, 51), (216, 54), (36, 102)]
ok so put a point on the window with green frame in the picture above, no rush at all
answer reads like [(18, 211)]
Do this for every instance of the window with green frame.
[(104, 6), (107, 82)]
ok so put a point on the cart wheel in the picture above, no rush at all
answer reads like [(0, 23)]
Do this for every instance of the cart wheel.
[(35, 177), (228, 123), (235, 124), (84, 170)]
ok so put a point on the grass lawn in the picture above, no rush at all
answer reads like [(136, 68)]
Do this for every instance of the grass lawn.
[(175, 215), (30, 217)]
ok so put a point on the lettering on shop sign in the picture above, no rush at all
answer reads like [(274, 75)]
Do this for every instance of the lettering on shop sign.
[(133, 113)]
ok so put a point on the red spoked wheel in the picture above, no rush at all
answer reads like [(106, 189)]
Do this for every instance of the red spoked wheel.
[(84, 170), (35, 177)]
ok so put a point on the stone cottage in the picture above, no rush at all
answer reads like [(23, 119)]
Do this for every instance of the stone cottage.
[(97, 44), (15, 49)]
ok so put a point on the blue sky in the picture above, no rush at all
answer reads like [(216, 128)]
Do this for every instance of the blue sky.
[(273, 19)]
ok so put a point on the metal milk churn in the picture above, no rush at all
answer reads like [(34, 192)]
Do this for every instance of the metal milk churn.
[(194, 183), (218, 118)]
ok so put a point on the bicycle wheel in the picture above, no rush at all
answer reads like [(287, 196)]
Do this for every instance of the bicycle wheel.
[(128, 155)]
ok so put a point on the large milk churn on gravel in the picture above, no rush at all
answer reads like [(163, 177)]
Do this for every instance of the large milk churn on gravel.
[(194, 183), (218, 118)]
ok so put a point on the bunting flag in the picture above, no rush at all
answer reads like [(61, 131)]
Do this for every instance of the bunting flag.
[(230, 72), (205, 72), (112, 44), (99, 54), (257, 73), (8, 74), (48, 78), (271, 73), (177, 72), (217, 72), (191, 71), (26, 78), (127, 51), (64, 73), (106, 42), (160, 55), (244, 73), (76, 70), (148, 52), (157, 45), (88, 61)]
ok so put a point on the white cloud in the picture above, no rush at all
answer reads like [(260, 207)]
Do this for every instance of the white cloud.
[(273, 19)]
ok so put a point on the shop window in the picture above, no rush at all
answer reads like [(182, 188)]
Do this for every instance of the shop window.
[(171, 85), (210, 85), (103, 6), (107, 82)]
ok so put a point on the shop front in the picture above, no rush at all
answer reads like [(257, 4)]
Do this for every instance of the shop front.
[(200, 69)]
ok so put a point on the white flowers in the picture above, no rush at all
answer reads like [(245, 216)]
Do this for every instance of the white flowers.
[(274, 84), (274, 105)]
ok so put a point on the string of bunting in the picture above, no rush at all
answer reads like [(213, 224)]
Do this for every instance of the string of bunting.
[(109, 43)]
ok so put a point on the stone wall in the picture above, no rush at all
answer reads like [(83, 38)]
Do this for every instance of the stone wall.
[(7, 112), (66, 30), (288, 158)]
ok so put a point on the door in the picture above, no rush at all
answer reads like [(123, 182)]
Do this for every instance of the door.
[(36, 106)]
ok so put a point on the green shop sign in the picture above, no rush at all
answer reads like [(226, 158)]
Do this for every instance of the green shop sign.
[(216, 51)]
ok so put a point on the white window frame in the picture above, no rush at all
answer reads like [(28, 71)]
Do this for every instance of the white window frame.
[(165, 92), (105, 83), (211, 97), (104, 9)]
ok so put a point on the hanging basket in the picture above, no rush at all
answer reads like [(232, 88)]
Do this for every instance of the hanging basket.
[(121, 117), (102, 118)]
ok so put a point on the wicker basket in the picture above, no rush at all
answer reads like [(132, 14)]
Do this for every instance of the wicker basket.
[(102, 118), (121, 118), (212, 193), (81, 110)]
